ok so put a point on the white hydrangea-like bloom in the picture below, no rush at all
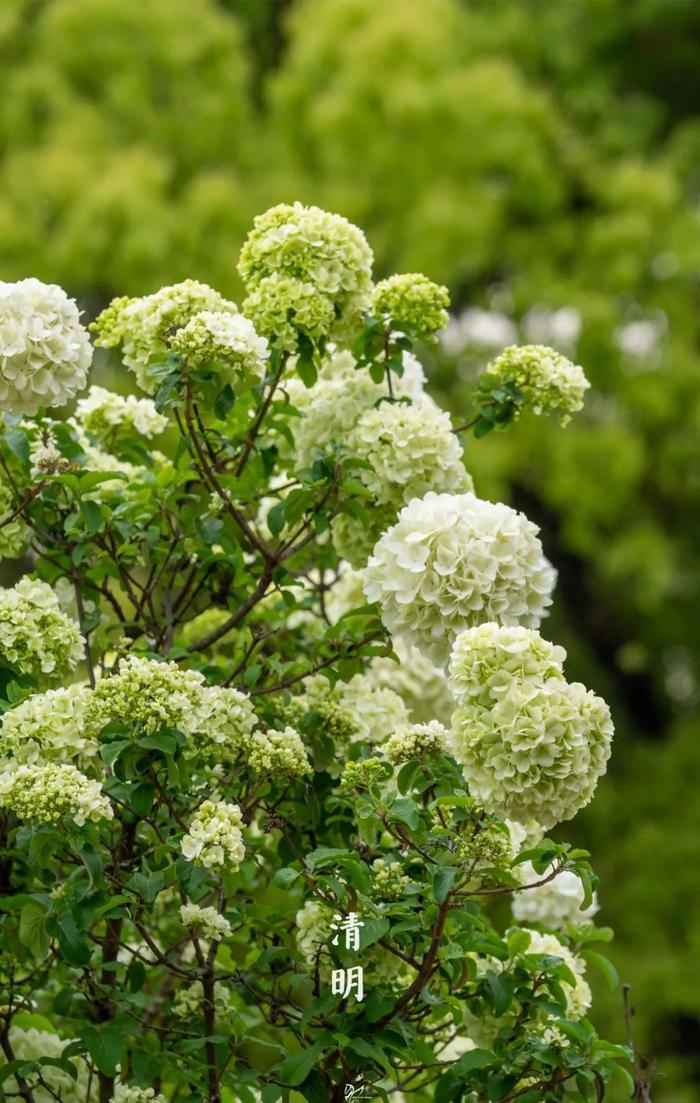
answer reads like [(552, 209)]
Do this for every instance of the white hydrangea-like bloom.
[(554, 904), (358, 710), (548, 381), (49, 727), (454, 560), (313, 923), (45, 456), (331, 408), (212, 925), (532, 745), (36, 636), (225, 341), (412, 450), (578, 997), (123, 1093), (215, 839), (14, 534), (282, 307), (188, 1002), (107, 414), (147, 695), (421, 685), (45, 352), (223, 719), (278, 752), (415, 741), (145, 326), (28, 1044), (46, 794), (413, 302), (314, 247)]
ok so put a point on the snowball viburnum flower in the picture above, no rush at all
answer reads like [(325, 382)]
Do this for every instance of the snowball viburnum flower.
[(145, 326), (36, 636), (45, 794), (548, 382), (49, 727), (578, 995), (107, 414), (532, 745), (412, 302), (224, 341), (454, 560), (554, 903), (45, 352), (314, 247), (215, 839)]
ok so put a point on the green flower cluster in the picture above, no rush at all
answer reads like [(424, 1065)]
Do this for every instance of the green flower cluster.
[(309, 253), (144, 327), (46, 794), (412, 303), (37, 637)]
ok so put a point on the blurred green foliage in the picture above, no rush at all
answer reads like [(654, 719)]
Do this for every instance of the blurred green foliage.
[(529, 153)]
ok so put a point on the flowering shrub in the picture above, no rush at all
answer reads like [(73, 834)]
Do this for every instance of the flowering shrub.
[(276, 715)]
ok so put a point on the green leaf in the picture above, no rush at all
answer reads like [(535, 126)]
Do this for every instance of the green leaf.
[(501, 987), (443, 880), (275, 518), (92, 515), (295, 1069), (32, 929), (283, 878), (604, 966), (223, 404), (106, 1047), (407, 811)]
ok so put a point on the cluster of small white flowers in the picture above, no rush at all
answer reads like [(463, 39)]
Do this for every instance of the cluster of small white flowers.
[(28, 1044), (282, 307), (45, 456), (415, 741), (412, 302), (145, 326), (106, 413), (223, 720), (578, 996), (45, 352), (212, 925), (225, 342), (313, 923), (412, 450), (421, 685), (49, 727), (146, 694), (188, 1001), (123, 1093), (553, 904), (341, 394), (389, 882), (36, 636), (14, 534), (532, 744), (48, 793), (548, 381), (454, 560), (215, 839), (278, 752), (311, 246), (351, 711)]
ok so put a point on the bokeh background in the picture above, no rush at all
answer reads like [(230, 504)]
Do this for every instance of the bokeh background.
[(542, 158)]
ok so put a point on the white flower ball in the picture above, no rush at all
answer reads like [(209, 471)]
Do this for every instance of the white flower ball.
[(578, 996), (532, 745), (452, 561), (45, 352), (553, 904)]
